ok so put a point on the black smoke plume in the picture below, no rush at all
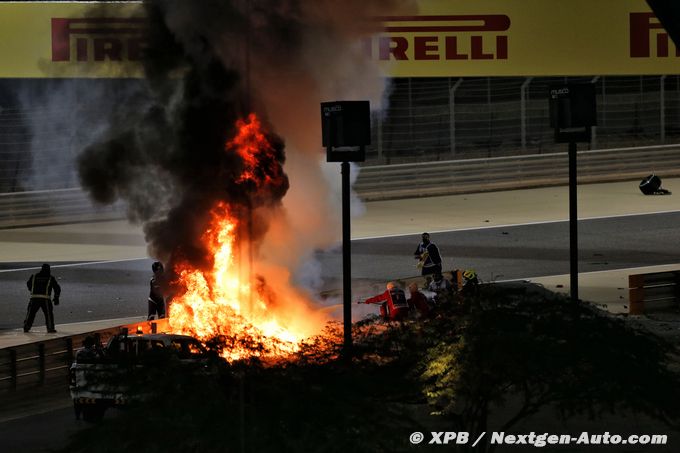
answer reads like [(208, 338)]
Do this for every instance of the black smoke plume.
[(209, 63)]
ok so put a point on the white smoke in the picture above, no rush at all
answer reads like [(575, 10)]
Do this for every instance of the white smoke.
[(331, 65)]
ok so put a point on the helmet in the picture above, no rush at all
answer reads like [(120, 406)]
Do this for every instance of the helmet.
[(157, 266), (470, 274)]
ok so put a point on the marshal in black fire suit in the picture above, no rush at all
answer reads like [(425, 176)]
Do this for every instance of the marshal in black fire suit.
[(41, 286), (157, 292)]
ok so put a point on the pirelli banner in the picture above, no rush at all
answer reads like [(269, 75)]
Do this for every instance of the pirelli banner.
[(527, 38), (70, 40), (446, 38)]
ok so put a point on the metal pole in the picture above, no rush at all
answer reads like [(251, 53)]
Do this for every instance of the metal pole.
[(488, 107), (247, 62), (452, 115), (346, 262), (604, 101), (573, 225), (41, 362), (250, 256), (379, 116), (13, 368), (410, 114), (593, 129), (242, 410), (523, 112), (662, 108), (69, 350)]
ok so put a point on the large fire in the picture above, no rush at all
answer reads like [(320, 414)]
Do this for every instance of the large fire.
[(232, 300)]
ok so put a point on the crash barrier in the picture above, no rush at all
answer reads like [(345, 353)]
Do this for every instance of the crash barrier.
[(53, 206), (382, 182), (653, 292), (47, 363)]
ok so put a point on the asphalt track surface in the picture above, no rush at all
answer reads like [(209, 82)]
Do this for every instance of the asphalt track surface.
[(108, 290), (534, 250), (95, 291), (90, 292), (45, 432)]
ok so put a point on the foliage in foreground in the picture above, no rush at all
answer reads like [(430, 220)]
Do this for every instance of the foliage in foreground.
[(504, 356), (531, 354)]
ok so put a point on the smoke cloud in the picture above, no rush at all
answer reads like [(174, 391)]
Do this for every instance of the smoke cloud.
[(210, 63)]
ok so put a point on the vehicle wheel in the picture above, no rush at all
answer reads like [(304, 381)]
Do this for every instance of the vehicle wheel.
[(94, 413)]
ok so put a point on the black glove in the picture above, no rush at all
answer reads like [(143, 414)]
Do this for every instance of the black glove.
[(56, 301)]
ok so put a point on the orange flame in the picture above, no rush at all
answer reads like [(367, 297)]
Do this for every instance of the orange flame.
[(251, 144), (230, 300)]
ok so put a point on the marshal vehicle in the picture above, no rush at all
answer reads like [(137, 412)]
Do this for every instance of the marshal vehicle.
[(123, 371)]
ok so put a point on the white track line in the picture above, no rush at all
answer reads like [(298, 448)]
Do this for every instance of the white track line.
[(624, 269), (85, 263), (114, 322), (509, 225)]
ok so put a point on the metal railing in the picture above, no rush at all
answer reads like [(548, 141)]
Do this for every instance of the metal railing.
[(382, 182), (433, 118), (52, 206), (655, 291), (44, 365), (35, 364)]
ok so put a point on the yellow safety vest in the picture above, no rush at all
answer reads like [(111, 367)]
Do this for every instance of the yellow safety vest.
[(40, 296)]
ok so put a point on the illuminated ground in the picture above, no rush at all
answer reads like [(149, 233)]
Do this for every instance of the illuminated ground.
[(478, 235)]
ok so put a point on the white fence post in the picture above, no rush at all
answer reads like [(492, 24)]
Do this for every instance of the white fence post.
[(452, 115)]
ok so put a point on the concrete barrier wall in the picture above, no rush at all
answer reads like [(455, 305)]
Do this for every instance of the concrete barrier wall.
[(517, 172), (382, 182), (53, 206)]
